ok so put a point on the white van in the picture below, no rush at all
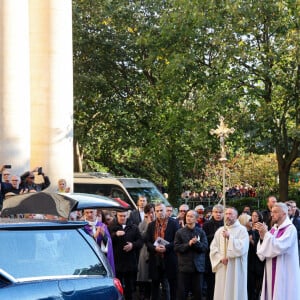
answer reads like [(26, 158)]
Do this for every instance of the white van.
[(126, 189)]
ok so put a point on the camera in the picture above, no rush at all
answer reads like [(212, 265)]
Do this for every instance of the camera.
[(7, 166), (40, 171)]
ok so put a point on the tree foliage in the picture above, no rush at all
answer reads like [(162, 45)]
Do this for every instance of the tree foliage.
[(264, 57), (152, 77)]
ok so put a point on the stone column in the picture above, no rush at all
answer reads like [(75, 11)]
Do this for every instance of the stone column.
[(52, 88), (14, 85)]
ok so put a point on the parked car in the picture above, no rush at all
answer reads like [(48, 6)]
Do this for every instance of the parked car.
[(127, 189), (48, 259)]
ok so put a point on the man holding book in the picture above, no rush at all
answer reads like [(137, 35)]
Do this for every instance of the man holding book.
[(162, 258)]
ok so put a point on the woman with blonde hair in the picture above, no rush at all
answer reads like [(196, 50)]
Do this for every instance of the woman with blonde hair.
[(62, 186), (244, 219)]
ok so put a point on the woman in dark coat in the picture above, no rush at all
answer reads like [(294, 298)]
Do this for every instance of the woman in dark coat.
[(143, 278), (255, 266)]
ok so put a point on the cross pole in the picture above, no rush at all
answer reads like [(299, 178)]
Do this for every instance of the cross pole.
[(222, 132)]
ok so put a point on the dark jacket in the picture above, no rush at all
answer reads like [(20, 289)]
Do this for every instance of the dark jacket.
[(4, 188), (169, 258), (255, 265), (210, 228), (190, 258), (267, 218), (38, 187), (125, 261), (135, 217), (296, 222)]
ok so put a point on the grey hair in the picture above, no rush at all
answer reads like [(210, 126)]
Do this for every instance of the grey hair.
[(234, 209), (186, 207), (282, 206), (219, 207), (194, 212), (159, 204)]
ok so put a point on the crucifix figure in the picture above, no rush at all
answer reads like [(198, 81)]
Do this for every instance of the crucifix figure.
[(222, 132)]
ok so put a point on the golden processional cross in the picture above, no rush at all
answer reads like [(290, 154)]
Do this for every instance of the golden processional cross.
[(222, 132)]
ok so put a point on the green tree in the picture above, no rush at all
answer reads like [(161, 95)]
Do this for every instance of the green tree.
[(145, 100), (263, 52), (152, 77)]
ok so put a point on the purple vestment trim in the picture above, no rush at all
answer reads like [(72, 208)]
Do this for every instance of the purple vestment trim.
[(274, 259), (110, 253)]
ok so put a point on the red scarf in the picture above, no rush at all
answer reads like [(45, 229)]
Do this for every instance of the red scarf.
[(160, 228)]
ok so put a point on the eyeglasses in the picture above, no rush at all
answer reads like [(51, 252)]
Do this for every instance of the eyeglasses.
[(182, 210), (6, 174), (31, 177)]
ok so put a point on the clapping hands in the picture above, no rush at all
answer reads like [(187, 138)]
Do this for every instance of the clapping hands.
[(262, 228)]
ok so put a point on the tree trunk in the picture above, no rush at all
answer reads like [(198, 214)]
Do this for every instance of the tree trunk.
[(283, 182), (285, 160), (174, 180), (77, 158)]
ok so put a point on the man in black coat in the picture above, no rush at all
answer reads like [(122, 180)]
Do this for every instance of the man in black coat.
[(5, 187), (210, 228), (294, 216), (190, 245), (126, 240), (28, 180), (137, 215), (162, 258)]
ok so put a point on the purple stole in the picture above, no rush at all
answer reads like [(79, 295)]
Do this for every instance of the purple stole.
[(110, 253), (280, 232)]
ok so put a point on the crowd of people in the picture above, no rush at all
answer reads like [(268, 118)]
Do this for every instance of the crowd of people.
[(213, 195), (29, 182), (197, 254), (223, 256)]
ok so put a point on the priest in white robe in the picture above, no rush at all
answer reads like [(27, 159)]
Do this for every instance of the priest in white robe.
[(228, 255), (279, 247)]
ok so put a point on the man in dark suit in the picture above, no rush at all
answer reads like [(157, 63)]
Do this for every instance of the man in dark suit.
[(162, 258), (294, 216), (137, 215), (126, 239), (210, 227)]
